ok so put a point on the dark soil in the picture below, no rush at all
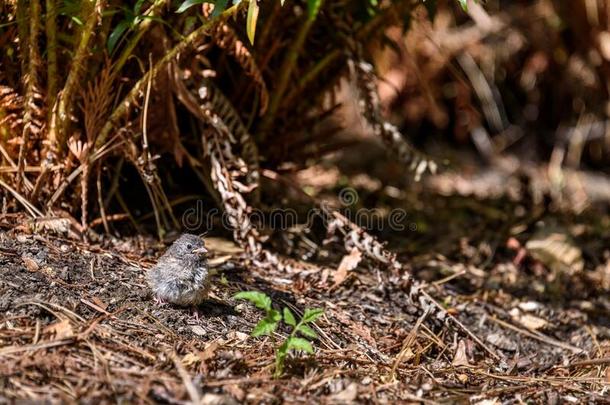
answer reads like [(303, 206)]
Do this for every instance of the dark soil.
[(79, 324)]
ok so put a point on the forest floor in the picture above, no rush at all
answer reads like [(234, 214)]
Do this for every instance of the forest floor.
[(78, 322)]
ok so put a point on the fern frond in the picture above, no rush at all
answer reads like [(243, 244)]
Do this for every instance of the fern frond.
[(212, 98), (225, 172), (226, 169), (97, 100), (213, 108), (125, 106), (11, 113), (366, 82), (225, 132), (356, 237)]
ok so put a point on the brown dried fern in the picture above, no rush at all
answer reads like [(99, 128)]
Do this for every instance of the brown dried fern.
[(366, 82), (214, 108), (11, 113), (229, 173), (356, 237), (96, 102), (97, 99), (124, 107), (215, 100), (11, 125), (226, 171)]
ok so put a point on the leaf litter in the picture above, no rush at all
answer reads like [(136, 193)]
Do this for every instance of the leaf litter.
[(80, 325)]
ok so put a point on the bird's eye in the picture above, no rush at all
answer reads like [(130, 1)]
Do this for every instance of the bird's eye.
[(189, 246)]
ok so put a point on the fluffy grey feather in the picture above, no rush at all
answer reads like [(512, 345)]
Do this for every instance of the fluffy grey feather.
[(181, 275)]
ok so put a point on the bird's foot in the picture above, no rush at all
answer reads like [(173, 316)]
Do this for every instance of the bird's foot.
[(159, 301)]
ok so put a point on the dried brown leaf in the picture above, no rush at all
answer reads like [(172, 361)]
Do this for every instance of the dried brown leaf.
[(349, 262), (30, 263), (61, 329), (460, 358), (556, 250)]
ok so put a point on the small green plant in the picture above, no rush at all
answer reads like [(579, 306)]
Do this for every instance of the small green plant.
[(270, 322)]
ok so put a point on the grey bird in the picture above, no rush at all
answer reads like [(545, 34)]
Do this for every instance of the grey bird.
[(181, 275)]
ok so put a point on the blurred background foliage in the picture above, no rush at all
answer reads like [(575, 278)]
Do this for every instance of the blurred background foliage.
[(121, 113)]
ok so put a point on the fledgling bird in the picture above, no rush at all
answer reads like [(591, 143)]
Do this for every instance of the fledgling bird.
[(181, 275)]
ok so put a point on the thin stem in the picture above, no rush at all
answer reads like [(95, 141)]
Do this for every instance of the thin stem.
[(313, 73), (84, 197), (100, 199), (32, 210), (31, 80), (51, 34), (263, 37), (114, 184), (281, 354), (125, 207), (153, 201)]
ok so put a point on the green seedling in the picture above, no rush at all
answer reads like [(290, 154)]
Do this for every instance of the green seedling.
[(301, 332)]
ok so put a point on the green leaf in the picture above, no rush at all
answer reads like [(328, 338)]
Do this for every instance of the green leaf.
[(251, 20), (274, 315), (289, 318), (464, 4), (283, 349), (264, 327), (186, 4), (138, 6), (311, 314), (190, 22), (296, 343), (313, 6), (257, 298), (70, 8), (307, 331), (116, 34)]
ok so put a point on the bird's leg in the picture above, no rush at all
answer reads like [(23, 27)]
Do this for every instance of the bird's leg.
[(195, 313), (159, 301)]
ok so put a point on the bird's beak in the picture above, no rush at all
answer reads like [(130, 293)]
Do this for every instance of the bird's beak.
[(200, 250)]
